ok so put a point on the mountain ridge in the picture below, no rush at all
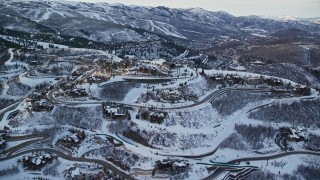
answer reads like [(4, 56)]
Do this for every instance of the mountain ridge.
[(117, 22)]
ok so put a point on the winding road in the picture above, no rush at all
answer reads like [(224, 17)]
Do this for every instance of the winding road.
[(220, 170), (12, 153), (17, 151), (71, 158), (211, 97)]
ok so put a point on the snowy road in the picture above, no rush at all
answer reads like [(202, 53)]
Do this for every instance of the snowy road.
[(71, 158), (10, 153), (211, 97), (261, 158)]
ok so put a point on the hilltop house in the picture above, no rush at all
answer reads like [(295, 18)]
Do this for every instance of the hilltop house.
[(291, 134), (77, 92), (302, 90), (171, 94), (172, 166), (42, 105), (153, 116), (73, 140), (36, 161), (116, 111)]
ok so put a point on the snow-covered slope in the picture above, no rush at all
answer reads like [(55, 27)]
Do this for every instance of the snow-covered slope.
[(116, 22)]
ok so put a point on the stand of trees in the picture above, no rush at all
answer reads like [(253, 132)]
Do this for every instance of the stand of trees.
[(236, 100), (118, 126), (313, 142), (249, 136), (234, 141), (9, 171), (52, 169), (288, 71), (86, 117), (116, 91), (302, 172), (4, 54), (17, 89), (259, 174), (304, 112), (5, 102)]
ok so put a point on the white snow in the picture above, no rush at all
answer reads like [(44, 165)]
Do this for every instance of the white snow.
[(133, 95), (113, 20), (165, 30), (46, 15)]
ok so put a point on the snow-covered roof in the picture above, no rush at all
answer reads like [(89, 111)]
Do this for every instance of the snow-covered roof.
[(258, 62), (295, 133), (36, 161), (172, 92), (37, 93), (158, 114), (74, 137), (180, 164), (239, 68), (111, 110), (43, 101), (47, 155)]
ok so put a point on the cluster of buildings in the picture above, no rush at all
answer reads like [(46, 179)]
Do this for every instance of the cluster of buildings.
[(77, 92), (297, 90), (114, 111), (278, 87), (42, 105), (95, 79), (72, 78), (147, 50), (74, 139), (80, 71), (153, 116), (301, 90), (287, 134), (171, 94), (232, 79), (37, 161), (39, 103), (228, 79), (171, 166), (114, 66), (85, 171), (77, 73), (70, 89), (67, 85), (156, 68), (292, 134), (147, 69)]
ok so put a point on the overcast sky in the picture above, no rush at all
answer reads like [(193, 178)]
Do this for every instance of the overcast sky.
[(298, 8)]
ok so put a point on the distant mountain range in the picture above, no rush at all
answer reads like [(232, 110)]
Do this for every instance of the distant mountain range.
[(119, 23)]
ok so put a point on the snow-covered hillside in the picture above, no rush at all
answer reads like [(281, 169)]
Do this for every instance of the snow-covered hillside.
[(108, 20)]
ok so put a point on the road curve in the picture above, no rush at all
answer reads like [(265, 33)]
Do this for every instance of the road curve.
[(24, 137), (41, 137), (38, 138), (193, 156), (275, 156), (209, 98), (70, 158), (261, 158)]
